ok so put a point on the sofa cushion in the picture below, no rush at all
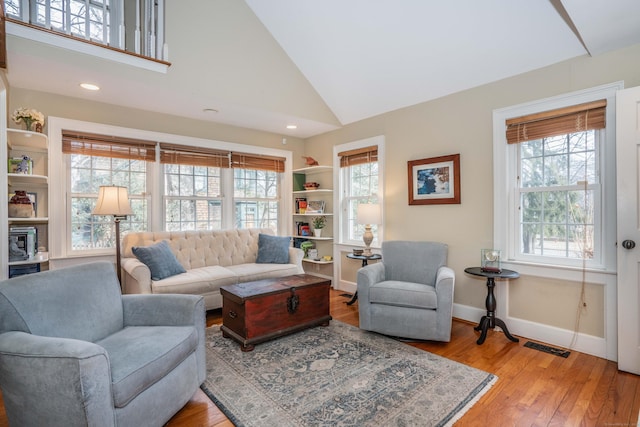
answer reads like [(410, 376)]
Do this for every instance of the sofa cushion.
[(157, 351), (161, 261), (251, 272), (196, 281), (404, 294), (273, 249)]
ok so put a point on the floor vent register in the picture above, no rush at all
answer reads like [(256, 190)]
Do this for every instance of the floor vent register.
[(547, 349)]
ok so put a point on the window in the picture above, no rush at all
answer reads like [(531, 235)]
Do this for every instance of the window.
[(554, 181), (182, 184), (193, 182), (95, 161), (256, 198), (360, 179), (558, 194)]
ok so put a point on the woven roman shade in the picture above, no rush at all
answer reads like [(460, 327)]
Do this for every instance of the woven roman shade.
[(194, 156), (91, 144), (577, 118), (358, 156), (257, 162)]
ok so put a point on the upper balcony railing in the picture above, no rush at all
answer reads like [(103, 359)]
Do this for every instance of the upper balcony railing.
[(133, 26)]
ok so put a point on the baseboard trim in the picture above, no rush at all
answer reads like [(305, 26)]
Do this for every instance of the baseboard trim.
[(558, 337)]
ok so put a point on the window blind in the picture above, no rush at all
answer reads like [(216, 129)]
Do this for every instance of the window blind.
[(358, 156), (577, 118), (257, 162), (194, 156), (91, 144)]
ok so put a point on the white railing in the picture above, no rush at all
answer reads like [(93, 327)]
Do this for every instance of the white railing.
[(135, 26)]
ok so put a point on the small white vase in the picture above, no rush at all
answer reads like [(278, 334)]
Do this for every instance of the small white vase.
[(317, 232)]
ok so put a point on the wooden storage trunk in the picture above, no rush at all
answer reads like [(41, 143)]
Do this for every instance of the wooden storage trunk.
[(258, 311)]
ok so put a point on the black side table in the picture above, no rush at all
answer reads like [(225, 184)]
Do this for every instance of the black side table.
[(490, 320), (365, 261)]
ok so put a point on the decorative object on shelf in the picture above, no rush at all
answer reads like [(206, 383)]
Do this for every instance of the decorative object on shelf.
[(114, 200), (20, 205), (327, 258), (318, 224), (310, 161), (299, 204), (315, 207), (30, 117), (23, 165), (311, 185), (368, 214), (302, 206), (305, 246), (490, 260), (435, 180)]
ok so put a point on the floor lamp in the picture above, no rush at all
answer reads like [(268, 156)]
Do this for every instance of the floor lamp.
[(368, 214), (114, 200)]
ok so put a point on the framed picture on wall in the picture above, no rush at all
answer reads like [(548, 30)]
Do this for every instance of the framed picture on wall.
[(434, 181)]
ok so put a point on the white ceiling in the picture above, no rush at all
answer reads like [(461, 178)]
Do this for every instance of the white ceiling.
[(323, 64)]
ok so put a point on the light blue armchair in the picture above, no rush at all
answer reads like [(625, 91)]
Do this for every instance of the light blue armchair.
[(409, 293), (75, 352)]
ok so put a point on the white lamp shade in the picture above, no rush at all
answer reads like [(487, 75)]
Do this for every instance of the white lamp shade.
[(113, 200), (369, 213)]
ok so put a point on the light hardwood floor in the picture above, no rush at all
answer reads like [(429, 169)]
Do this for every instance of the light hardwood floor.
[(534, 388)]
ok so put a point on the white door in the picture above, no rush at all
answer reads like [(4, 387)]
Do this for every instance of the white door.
[(628, 235)]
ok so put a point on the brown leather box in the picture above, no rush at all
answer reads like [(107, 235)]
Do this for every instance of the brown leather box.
[(258, 311)]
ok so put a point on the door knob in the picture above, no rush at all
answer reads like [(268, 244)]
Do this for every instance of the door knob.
[(628, 244)]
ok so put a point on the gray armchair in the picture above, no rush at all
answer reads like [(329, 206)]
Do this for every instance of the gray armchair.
[(409, 293), (75, 352)]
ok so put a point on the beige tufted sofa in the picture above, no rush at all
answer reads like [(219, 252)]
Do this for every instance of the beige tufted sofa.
[(211, 258)]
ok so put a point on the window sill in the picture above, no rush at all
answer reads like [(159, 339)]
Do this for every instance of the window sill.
[(557, 271), (54, 38)]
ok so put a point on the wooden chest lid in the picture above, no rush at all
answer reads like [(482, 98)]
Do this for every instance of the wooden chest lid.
[(259, 288)]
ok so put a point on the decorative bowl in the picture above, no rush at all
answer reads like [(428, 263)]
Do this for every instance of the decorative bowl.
[(358, 251), (311, 185)]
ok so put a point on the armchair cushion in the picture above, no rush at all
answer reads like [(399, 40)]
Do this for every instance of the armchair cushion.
[(161, 261), (404, 294), (158, 350)]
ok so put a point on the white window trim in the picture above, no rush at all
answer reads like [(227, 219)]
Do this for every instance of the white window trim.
[(504, 221), (59, 218)]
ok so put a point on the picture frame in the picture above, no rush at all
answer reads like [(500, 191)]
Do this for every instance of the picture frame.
[(34, 201), (315, 207), (434, 181), (20, 165)]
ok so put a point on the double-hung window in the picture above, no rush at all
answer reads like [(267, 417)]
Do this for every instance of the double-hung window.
[(193, 181), (360, 179), (256, 190), (97, 160), (554, 194)]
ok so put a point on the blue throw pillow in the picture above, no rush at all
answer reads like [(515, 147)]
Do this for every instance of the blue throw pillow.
[(273, 249), (160, 260)]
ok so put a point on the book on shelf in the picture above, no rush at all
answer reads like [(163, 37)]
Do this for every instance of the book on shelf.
[(302, 227), (301, 205), (315, 206)]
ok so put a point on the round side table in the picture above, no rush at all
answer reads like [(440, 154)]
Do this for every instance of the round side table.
[(365, 261), (490, 321)]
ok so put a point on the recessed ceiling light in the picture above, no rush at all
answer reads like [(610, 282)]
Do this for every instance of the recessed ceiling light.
[(209, 110), (292, 126), (89, 86)]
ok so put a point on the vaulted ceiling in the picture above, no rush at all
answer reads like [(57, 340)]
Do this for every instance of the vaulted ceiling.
[(323, 64)]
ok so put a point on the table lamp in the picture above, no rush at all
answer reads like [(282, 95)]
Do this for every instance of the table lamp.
[(368, 214), (114, 200)]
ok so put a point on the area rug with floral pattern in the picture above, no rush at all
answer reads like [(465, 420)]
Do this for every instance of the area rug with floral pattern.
[(338, 375)]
